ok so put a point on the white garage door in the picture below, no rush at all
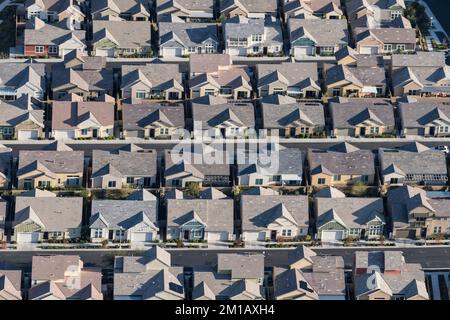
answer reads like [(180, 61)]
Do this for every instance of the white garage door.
[(27, 237), (104, 52), (332, 235), (217, 236), (172, 52), (27, 134), (64, 135), (141, 237), (368, 50), (237, 51), (303, 51), (254, 236)]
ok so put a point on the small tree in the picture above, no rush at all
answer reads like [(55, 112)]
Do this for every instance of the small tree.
[(193, 189), (180, 244), (105, 243), (359, 189), (236, 190)]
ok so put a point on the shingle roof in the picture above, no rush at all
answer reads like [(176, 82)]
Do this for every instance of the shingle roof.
[(215, 115), (55, 161), (187, 34), (216, 214), (19, 74), (241, 27), (419, 114), (208, 62), (323, 31), (279, 117), (123, 33), (420, 160), (420, 59), (353, 212), (68, 115), (55, 213), (294, 73), (126, 163), (138, 116), (40, 33), (156, 75), (258, 211), (337, 161), (347, 113), (16, 112)]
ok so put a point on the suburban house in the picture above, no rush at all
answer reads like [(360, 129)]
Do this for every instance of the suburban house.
[(151, 81), (64, 277), (341, 218), (385, 40), (298, 80), (214, 74), (286, 171), (341, 164), (80, 78), (223, 119), (3, 212), (274, 217), (5, 167), (21, 119), (361, 117), (19, 79), (424, 118), (285, 117), (42, 216), (349, 57), (55, 10), (52, 40), (148, 277), (153, 121), (50, 169), (209, 218), (236, 276), (180, 39), (413, 164), (423, 74), (204, 165), (414, 215), (126, 167), (187, 10), (376, 22), (385, 275), (134, 219), (316, 37), (113, 38), (310, 277), (384, 10), (355, 81), (73, 120), (252, 9), (10, 284), (117, 10), (253, 37), (311, 9)]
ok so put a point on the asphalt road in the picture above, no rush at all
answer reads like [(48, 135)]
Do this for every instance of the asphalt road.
[(303, 145), (428, 257)]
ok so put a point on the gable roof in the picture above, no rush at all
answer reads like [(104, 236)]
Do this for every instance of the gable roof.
[(323, 32), (122, 33), (186, 34)]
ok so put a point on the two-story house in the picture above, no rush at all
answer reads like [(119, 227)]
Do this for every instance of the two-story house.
[(116, 10), (56, 10), (310, 9), (19, 79), (253, 37)]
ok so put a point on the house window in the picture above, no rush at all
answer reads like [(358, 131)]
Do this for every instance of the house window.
[(7, 131), (256, 37), (197, 233), (140, 94), (387, 47), (394, 180), (84, 132), (365, 178), (44, 184), (413, 92), (437, 229), (374, 130), (120, 233), (354, 231), (98, 233), (337, 177), (39, 49), (276, 178), (130, 180), (53, 50), (192, 49), (209, 48), (401, 47), (375, 230), (321, 181), (225, 91), (443, 129), (173, 95), (164, 131), (286, 232), (258, 182), (209, 92), (255, 49), (111, 184), (395, 14)]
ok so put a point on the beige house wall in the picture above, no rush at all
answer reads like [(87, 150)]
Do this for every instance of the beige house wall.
[(59, 182)]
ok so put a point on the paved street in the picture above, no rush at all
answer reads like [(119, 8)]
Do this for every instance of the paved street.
[(429, 257), (303, 144)]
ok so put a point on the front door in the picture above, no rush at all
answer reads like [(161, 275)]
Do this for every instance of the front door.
[(432, 131), (273, 235), (362, 131), (186, 235), (265, 51), (94, 133)]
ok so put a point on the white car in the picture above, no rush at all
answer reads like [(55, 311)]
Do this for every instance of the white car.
[(444, 149)]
